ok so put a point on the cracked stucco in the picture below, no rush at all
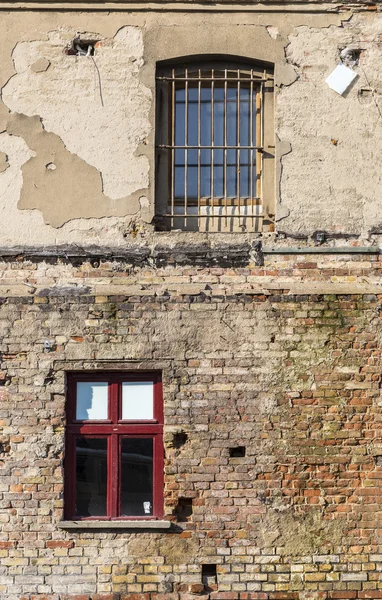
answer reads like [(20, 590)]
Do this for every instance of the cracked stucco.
[(102, 183), (328, 185), (92, 143)]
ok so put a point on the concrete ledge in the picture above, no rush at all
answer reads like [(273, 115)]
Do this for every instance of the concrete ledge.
[(149, 524)]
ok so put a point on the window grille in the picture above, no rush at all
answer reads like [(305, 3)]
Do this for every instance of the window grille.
[(210, 146)]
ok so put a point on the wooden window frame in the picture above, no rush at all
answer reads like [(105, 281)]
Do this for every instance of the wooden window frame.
[(114, 429)]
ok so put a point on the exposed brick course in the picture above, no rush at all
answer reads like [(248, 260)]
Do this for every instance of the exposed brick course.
[(293, 377)]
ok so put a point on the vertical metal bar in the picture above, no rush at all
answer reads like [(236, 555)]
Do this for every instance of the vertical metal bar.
[(172, 149), (259, 136), (186, 150), (212, 207), (251, 144), (199, 128), (238, 144), (225, 148)]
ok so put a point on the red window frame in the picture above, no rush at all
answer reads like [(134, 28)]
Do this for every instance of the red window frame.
[(114, 429)]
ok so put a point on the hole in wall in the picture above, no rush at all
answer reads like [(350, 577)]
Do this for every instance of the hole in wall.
[(209, 577), (50, 166), (183, 509), (237, 452), (5, 446), (378, 461), (365, 96), (350, 56), (82, 47), (179, 439)]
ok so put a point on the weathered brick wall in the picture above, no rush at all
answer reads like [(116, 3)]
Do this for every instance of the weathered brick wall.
[(248, 359)]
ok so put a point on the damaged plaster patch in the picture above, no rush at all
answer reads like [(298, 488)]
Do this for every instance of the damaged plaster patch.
[(42, 64), (298, 536), (66, 96), (273, 32), (16, 153), (58, 183), (4, 164)]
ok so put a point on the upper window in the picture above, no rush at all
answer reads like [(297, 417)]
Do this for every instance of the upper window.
[(211, 146), (114, 447)]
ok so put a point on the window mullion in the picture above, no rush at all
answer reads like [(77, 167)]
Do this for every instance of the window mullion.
[(114, 401), (158, 478), (113, 477), (70, 476)]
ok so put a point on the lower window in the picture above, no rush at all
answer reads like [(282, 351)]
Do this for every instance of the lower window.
[(114, 447)]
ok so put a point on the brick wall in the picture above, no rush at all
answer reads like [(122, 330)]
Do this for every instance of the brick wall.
[(283, 360)]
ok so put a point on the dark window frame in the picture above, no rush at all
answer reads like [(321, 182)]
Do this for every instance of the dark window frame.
[(114, 429)]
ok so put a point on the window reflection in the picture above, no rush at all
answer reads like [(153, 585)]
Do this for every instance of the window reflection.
[(137, 477), (91, 472)]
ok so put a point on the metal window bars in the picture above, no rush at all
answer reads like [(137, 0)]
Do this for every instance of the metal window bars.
[(215, 148)]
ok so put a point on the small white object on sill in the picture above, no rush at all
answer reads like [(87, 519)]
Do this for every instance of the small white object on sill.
[(340, 79)]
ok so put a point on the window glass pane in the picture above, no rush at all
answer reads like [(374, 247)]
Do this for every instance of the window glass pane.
[(232, 120), (179, 182), (192, 121), (218, 116), (180, 122), (138, 400), (219, 100), (205, 117), (205, 181), (137, 477), (91, 477), (92, 400), (244, 117), (192, 189)]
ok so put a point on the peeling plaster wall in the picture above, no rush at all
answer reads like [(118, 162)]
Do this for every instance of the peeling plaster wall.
[(332, 176), (85, 170)]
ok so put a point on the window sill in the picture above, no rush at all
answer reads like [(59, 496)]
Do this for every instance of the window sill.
[(139, 524)]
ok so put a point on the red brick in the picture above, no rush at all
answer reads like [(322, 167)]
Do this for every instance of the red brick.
[(5, 545), (342, 595), (60, 544), (198, 588)]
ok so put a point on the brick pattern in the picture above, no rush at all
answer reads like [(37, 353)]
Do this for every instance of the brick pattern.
[(294, 378)]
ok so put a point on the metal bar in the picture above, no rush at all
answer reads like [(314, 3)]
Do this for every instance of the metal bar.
[(243, 79), (212, 141), (258, 140), (225, 148), (190, 216), (173, 148), (217, 147), (251, 150), (238, 141), (199, 127), (323, 250), (186, 150), (206, 201)]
